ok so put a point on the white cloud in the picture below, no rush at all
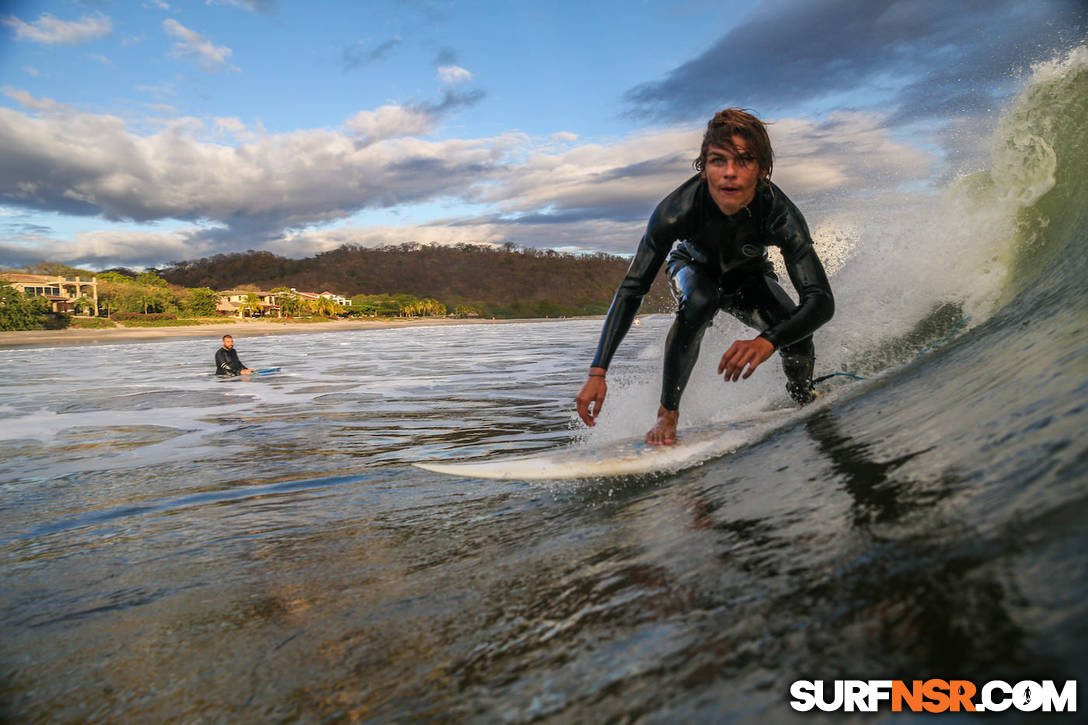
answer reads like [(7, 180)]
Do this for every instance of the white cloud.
[(75, 162), (630, 173), (390, 122), (51, 31), (101, 59), (590, 236), (276, 189), (47, 105), (32, 71), (106, 248), (132, 245), (452, 74), (848, 151), (230, 125), (190, 44), (598, 196)]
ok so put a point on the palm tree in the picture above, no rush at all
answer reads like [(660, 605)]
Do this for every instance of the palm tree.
[(84, 303), (251, 304), (326, 308), (289, 302)]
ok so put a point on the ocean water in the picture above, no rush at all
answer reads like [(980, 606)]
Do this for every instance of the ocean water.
[(176, 547)]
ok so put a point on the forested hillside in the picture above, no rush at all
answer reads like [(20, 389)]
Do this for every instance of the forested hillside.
[(499, 281)]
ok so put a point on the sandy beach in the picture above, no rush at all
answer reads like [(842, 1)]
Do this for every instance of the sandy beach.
[(239, 329)]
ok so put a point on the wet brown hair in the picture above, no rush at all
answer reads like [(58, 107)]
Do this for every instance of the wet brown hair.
[(731, 122)]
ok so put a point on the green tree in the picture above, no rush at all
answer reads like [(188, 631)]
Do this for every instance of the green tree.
[(251, 304), (56, 269), (367, 305), (155, 299), (289, 302), (424, 308), (115, 277), (466, 310), (123, 294), (84, 303), (151, 279), (20, 312), (201, 302), (110, 292), (326, 308)]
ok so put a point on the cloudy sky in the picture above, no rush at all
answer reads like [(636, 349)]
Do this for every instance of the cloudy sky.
[(138, 132)]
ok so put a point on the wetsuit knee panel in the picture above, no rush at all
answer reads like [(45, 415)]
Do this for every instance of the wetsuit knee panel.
[(697, 295), (697, 309)]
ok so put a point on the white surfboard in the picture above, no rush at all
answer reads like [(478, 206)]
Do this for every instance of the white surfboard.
[(622, 458)]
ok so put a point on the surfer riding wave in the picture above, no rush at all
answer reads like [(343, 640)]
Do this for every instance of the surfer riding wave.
[(724, 218)]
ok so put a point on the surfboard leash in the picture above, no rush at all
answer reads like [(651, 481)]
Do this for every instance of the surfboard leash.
[(836, 375), (946, 338)]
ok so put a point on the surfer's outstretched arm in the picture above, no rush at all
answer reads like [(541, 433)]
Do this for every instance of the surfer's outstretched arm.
[(661, 232)]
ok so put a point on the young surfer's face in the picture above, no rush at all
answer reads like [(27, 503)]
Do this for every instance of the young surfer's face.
[(731, 176), (228, 342)]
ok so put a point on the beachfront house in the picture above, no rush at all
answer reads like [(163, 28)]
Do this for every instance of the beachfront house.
[(240, 302), (338, 299), (312, 297), (65, 294)]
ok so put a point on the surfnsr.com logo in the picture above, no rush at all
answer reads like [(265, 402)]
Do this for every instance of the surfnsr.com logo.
[(933, 696)]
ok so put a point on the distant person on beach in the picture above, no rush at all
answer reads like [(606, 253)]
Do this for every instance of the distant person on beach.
[(226, 359), (724, 218)]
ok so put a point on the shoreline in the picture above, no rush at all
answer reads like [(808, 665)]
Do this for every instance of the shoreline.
[(242, 328)]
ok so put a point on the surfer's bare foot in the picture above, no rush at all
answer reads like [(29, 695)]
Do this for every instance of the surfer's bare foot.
[(664, 431)]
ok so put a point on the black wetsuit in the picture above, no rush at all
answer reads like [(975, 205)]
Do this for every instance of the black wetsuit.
[(721, 263), (227, 362)]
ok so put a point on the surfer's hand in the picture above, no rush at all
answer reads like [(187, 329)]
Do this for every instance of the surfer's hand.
[(591, 397), (750, 353)]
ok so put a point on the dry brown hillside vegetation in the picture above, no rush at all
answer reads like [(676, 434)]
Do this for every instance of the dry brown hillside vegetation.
[(497, 281)]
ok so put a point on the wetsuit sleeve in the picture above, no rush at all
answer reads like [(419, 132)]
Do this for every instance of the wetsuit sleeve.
[(651, 253), (787, 230), (222, 366)]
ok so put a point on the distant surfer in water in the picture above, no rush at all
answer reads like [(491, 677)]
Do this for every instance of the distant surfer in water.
[(724, 218), (226, 359)]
